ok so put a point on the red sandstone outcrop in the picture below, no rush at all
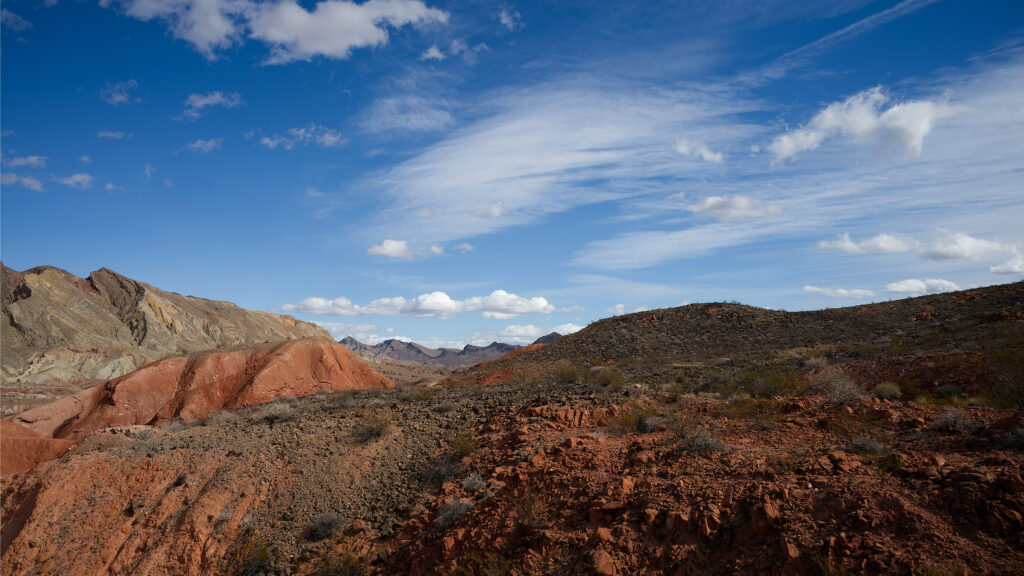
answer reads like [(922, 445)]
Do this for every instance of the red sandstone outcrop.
[(189, 388)]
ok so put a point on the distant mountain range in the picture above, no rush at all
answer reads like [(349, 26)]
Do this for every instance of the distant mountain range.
[(413, 353)]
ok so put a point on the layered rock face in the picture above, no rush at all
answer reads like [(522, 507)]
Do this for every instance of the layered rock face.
[(59, 327), (185, 387)]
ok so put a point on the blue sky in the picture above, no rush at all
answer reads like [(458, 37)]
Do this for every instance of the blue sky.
[(468, 171)]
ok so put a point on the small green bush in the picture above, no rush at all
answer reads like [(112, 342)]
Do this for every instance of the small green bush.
[(345, 564), (888, 391), (841, 390), (948, 391), (463, 443), (565, 372), (249, 555), (703, 442), (609, 378), (373, 426), (636, 419), (958, 420)]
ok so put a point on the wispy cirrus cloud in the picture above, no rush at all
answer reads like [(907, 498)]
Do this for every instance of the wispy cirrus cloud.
[(11, 179), (311, 134), (202, 146), (26, 161), (113, 135), (858, 293), (120, 93), (81, 180)]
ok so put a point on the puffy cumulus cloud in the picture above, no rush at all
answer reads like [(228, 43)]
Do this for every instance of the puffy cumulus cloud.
[(432, 53), (85, 160), (526, 334), (861, 116), (334, 27), (498, 304), (365, 333), (960, 246), (312, 134), (392, 249), (208, 25), (406, 114), (9, 179), (149, 170), (882, 243), (119, 93), (81, 180), (620, 309), (435, 249), (464, 247), (839, 292), (112, 135), (510, 18), (693, 148), (29, 161), (111, 187), (204, 146), (459, 47), (493, 211), (196, 103), (1014, 265), (915, 287), (735, 207)]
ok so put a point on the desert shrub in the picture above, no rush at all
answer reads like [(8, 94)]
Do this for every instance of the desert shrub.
[(764, 413), (344, 564), (1005, 382), (703, 442), (866, 446), (841, 390), (373, 426), (220, 417), (324, 527), (948, 391), (249, 555), (635, 418), (887, 391), (419, 394), (957, 420), (737, 398), (463, 443), (609, 378), (273, 412), (444, 469), (339, 399), (565, 372), (474, 482), (489, 564), (771, 380), (450, 512), (532, 509)]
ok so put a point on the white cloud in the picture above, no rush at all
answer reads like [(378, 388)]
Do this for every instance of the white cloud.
[(960, 246), (840, 292), (880, 244), (85, 160), (204, 146), (8, 179), (312, 134), (527, 333), (915, 287), (498, 304), (195, 103), (13, 21), (113, 135), (392, 249), (510, 18), (407, 114), (434, 248), (432, 53), (208, 25), (464, 247), (546, 149), (365, 333), (493, 211), (693, 148), (168, 183), (736, 207), (334, 27), (1014, 265), (861, 117), (110, 187), (620, 309), (119, 93), (30, 161), (81, 180), (149, 170), (460, 47)]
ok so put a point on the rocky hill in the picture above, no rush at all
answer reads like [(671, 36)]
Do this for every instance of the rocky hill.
[(58, 327), (189, 388), (413, 353)]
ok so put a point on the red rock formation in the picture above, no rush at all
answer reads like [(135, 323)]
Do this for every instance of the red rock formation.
[(189, 388)]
